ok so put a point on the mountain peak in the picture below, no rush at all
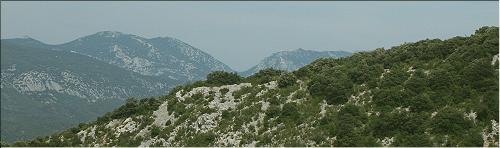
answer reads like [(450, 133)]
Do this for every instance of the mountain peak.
[(291, 52), (26, 37), (167, 38), (111, 34)]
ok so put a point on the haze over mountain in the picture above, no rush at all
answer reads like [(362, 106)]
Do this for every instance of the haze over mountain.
[(46, 88), (431, 92), (292, 60), (252, 28)]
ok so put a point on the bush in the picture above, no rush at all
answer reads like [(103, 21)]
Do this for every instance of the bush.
[(332, 89), (286, 80), (392, 97), (155, 131), (224, 91), (290, 114), (414, 140), (419, 103), (201, 140), (450, 121), (273, 111), (264, 76), (126, 110), (223, 78)]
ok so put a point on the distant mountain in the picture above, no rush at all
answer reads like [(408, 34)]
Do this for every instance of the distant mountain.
[(45, 88), (292, 60), (162, 56)]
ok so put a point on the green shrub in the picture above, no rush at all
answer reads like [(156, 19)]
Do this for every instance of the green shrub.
[(273, 111), (201, 140), (290, 114), (286, 80), (264, 76), (224, 90), (450, 121), (155, 131), (415, 140), (332, 89), (223, 78)]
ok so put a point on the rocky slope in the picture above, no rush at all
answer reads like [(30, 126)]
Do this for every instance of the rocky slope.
[(162, 56), (46, 88), (428, 93), (292, 60)]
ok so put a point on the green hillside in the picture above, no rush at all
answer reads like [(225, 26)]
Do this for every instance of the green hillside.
[(428, 93)]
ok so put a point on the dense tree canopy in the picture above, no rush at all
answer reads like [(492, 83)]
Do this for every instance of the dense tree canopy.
[(223, 78)]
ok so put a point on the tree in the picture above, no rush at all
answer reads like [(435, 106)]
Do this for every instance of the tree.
[(417, 83), (286, 79), (345, 131), (264, 76), (361, 73), (480, 74), (335, 90), (412, 140), (290, 114), (392, 97), (201, 140), (155, 131), (419, 103), (395, 77), (223, 78), (450, 121), (130, 107), (349, 120), (273, 111)]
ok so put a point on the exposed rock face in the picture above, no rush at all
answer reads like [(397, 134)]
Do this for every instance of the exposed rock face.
[(42, 83), (219, 100), (162, 56)]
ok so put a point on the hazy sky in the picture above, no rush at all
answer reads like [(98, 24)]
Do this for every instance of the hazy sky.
[(242, 33)]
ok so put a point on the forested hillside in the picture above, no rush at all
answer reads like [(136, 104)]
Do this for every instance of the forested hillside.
[(428, 93)]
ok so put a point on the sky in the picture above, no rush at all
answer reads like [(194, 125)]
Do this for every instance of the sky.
[(241, 34)]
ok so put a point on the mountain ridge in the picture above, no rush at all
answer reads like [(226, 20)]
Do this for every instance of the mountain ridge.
[(122, 50)]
